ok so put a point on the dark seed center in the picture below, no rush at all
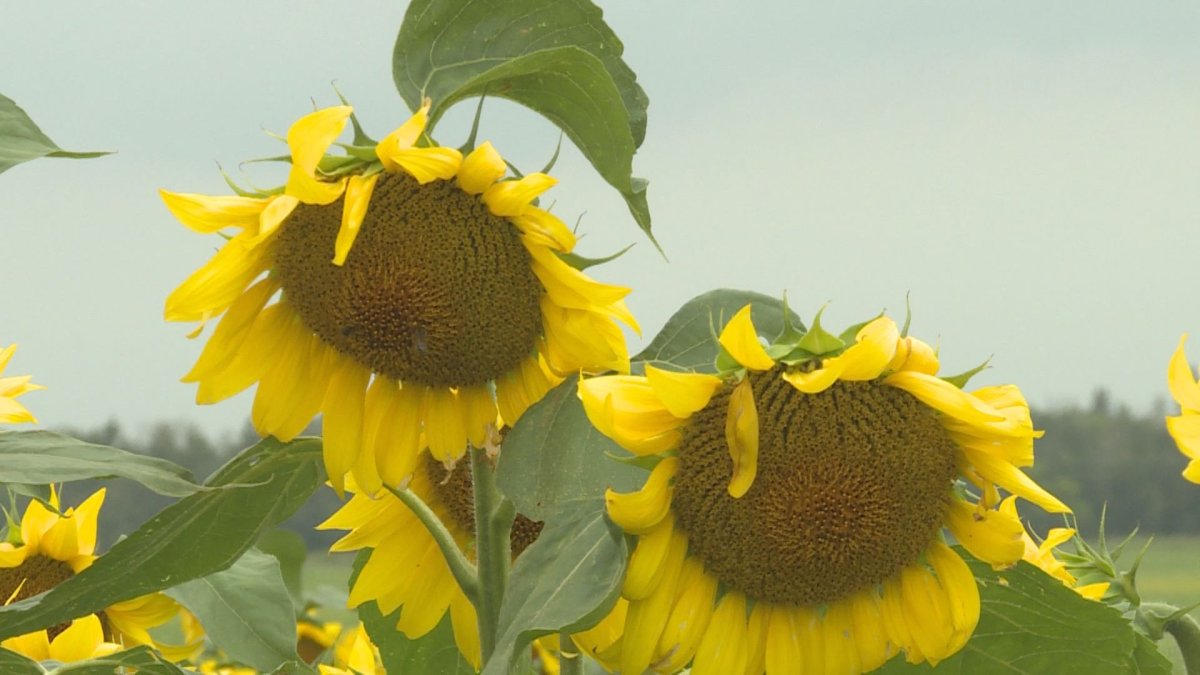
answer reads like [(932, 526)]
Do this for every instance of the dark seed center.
[(37, 574), (852, 485), (436, 290), (456, 492)]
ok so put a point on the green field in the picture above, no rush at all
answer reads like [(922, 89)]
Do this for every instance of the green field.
[(1170, 573)]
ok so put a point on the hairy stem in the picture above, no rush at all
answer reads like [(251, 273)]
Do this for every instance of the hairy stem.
[(493, 523), (1186, 632), (462, 569)]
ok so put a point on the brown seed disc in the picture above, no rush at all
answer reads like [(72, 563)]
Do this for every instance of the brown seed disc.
[(455, 491)]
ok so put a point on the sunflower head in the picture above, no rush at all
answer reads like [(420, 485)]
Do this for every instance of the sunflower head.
[(1185, 427), (412, 296), (12, 412), (52, 545), (801, 494)]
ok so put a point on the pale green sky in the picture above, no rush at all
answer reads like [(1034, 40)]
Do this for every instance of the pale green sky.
[(1028, 173)]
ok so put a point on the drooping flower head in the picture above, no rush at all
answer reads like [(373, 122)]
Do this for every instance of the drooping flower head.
[(54, 545), (402, 290), (11, 387), (794, 519), (406, 570), (1185, 427)]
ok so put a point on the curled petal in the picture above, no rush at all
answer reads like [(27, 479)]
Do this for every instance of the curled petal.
[(207, 214), (513, 197), (483, 167), (1181, 380), (358, 197), (740, 339), (945, 397), (682, 394), (309, 138), (638, 512), (403, 137), (741, 436)]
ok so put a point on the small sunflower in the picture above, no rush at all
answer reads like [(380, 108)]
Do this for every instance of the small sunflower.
[(1042, 555), (51, 547), (793, 521), (401, 290), (1184, 427), (12, 412), (406, 569)]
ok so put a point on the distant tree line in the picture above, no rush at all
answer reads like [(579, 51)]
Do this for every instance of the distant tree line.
[(1103, 453)]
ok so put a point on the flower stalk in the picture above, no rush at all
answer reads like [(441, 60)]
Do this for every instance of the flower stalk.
[(464, 572), (493, 523), (570, 661), (1186, 632)]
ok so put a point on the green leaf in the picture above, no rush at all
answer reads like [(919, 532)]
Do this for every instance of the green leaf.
[(554, 457), (289, 549), (1031, 623), (197, 536), (42, 457), (1147, 659), (818, 340), (688, 340), (246, 610), (556, 57), (435, 653), (21, 140), (12, 663), (581, 263), (441, 45), (144, 659), (565, 581)]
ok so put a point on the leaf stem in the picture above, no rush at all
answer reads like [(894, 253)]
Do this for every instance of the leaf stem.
[(464, 572), (493, 522), (1186, 632), (570, 662)]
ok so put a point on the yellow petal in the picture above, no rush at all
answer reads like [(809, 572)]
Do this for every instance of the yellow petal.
[(645, 569), (1192, 471), (638, 512), (308, 139), (207, 214), (873, 350), (646, 618), (464, 621), (545, 229), (740, 339), (927, 613), (756, 638), (479, 413), (870, 635), (78, 641), (254, 356), (569, 287), (86, 515), (722, 650), (626, 409), (445, 427), (1094, 591), (581, 340), (838, 638), (689, 617), (513, 197), (996, 537), (783, 641), (277, 211), (1185, 430), (1181, 380), (682, 394), (227, 339), (944, 397), (343, 421), (896, 622), (1014, 480), (429, 598), (429, 164), (358, 197), (35, 645), (480, 169), (403, 137), (213, 287), (399, 444), (522, 387), (913, 354), (741, 437), (812, 640), (815, 381), (957, 584)]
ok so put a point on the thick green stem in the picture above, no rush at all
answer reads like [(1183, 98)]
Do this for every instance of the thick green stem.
[(1186, 632), (493, 523), (462, 569), (570, 661)]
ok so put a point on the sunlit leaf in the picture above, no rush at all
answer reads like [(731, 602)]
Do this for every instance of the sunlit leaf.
[(43, 457), (21, 140), (197, 536), (245, 610)]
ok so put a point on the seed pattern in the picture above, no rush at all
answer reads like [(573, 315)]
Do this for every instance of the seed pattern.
[(37, 574), (436, 290), (852, 485)]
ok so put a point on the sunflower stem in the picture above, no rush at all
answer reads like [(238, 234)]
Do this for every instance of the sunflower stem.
[(493, 523), (464, 572), (570, 661), (1186, 632)]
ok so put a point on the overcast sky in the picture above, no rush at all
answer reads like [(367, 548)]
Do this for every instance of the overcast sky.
[(1028, 172)]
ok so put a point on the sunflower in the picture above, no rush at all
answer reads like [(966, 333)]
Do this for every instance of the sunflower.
[(1184, 427), (793, 520), (400, 290), (12, 412), (405, 568), (54, 545)]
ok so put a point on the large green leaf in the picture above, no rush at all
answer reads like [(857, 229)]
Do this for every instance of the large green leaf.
[(12, 663), (556, 57), (246, 611), (145, 660), (197, 536), (567, 580), (688, 340), (434, 653), (1147, 659), (553, 457), (290, 550), (21, 140), (1032, 624), (43, 457)]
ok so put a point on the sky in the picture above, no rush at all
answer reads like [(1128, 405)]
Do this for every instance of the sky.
[(1025, 171)]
